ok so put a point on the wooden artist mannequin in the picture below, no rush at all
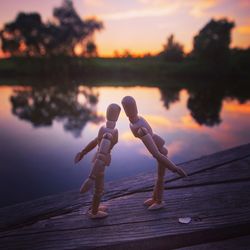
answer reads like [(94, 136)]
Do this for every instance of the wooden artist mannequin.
[(155, 145), (106, 139)]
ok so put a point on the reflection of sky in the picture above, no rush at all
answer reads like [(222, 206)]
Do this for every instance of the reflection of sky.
[(38, 161)]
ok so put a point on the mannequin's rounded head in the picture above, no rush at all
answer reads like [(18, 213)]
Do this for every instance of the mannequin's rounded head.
[(129, 105), (113, 112)]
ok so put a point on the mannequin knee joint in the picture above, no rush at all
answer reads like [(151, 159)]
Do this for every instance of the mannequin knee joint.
[(142, 131)]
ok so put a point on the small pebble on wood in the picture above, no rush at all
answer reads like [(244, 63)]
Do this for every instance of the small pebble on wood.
[(185, 220)]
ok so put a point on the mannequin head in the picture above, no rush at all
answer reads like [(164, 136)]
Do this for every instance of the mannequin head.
[(130, 108), (112, 114)]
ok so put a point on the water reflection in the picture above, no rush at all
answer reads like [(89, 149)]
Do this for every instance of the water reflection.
[(205, 103), (38, 162), (76, 106), (73, 106), (170, 95)]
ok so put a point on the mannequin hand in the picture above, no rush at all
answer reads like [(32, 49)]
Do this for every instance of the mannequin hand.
[(78, 157)]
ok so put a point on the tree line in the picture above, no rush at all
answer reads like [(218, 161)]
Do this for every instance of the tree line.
[(212, 43), (28, 35)]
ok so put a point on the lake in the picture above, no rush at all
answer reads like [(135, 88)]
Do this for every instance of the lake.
[(42, 128)]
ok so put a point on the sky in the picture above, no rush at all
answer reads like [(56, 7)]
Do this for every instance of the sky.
[(143, 26)]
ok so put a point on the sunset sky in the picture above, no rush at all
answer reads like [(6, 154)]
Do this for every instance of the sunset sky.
[(143, 25)]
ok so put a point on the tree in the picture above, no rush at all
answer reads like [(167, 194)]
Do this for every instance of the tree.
[(28, 35), (212, 42), (173, 51), (126, 54), (91, 49), (24, 35), (73, 30)]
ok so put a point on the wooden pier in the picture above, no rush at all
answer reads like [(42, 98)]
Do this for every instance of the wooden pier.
[(215, 195)]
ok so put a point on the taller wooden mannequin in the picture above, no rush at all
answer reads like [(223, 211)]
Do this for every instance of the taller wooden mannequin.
[(106, 139), (155, 145)]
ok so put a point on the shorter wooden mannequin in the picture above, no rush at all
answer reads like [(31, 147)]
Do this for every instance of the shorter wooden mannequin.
[(155, 145), (106, 139)]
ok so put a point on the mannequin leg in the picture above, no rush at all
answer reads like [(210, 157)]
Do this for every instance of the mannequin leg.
[(98, 166), (95, 212), (157, 201), (159, 184), (99, 185)]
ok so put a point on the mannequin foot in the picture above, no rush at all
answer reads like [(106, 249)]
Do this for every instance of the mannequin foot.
[(149, 202), (103, 208), (156, 206), (98, 215)]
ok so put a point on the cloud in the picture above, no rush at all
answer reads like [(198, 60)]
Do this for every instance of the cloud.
[(199, 8), (175, 148), (244, 3), (159, 3), (127, 136), (144, 12), (158, 121), (158, 8), (94, 3), (188, 122)]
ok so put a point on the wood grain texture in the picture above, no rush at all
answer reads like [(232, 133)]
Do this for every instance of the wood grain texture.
[(216, 195), (242, 243)]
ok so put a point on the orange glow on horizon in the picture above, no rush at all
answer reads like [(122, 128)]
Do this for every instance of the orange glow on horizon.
[(236, 107)]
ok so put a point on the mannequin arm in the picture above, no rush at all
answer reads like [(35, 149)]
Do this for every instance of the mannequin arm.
[(87, 149)]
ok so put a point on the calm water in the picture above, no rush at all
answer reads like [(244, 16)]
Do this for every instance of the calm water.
[(41, 129)]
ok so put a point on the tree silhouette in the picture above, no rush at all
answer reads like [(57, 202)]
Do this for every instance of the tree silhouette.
[(173, 51), (24, 35), (28, 35), (73, 30), (212, 42), (91, 49)]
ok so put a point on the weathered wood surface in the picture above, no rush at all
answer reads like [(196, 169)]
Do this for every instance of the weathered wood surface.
[(216, 195), (242, 243)]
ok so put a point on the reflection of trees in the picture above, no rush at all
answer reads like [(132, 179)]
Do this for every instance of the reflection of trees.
[(205, 106), (205, 102), (241, 94), (74, 107), (170, 95)]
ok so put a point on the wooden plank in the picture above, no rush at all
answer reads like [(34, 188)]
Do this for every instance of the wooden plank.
[(217, 211), (146, 181), (30, 212), (239, 243), (232, 172)]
